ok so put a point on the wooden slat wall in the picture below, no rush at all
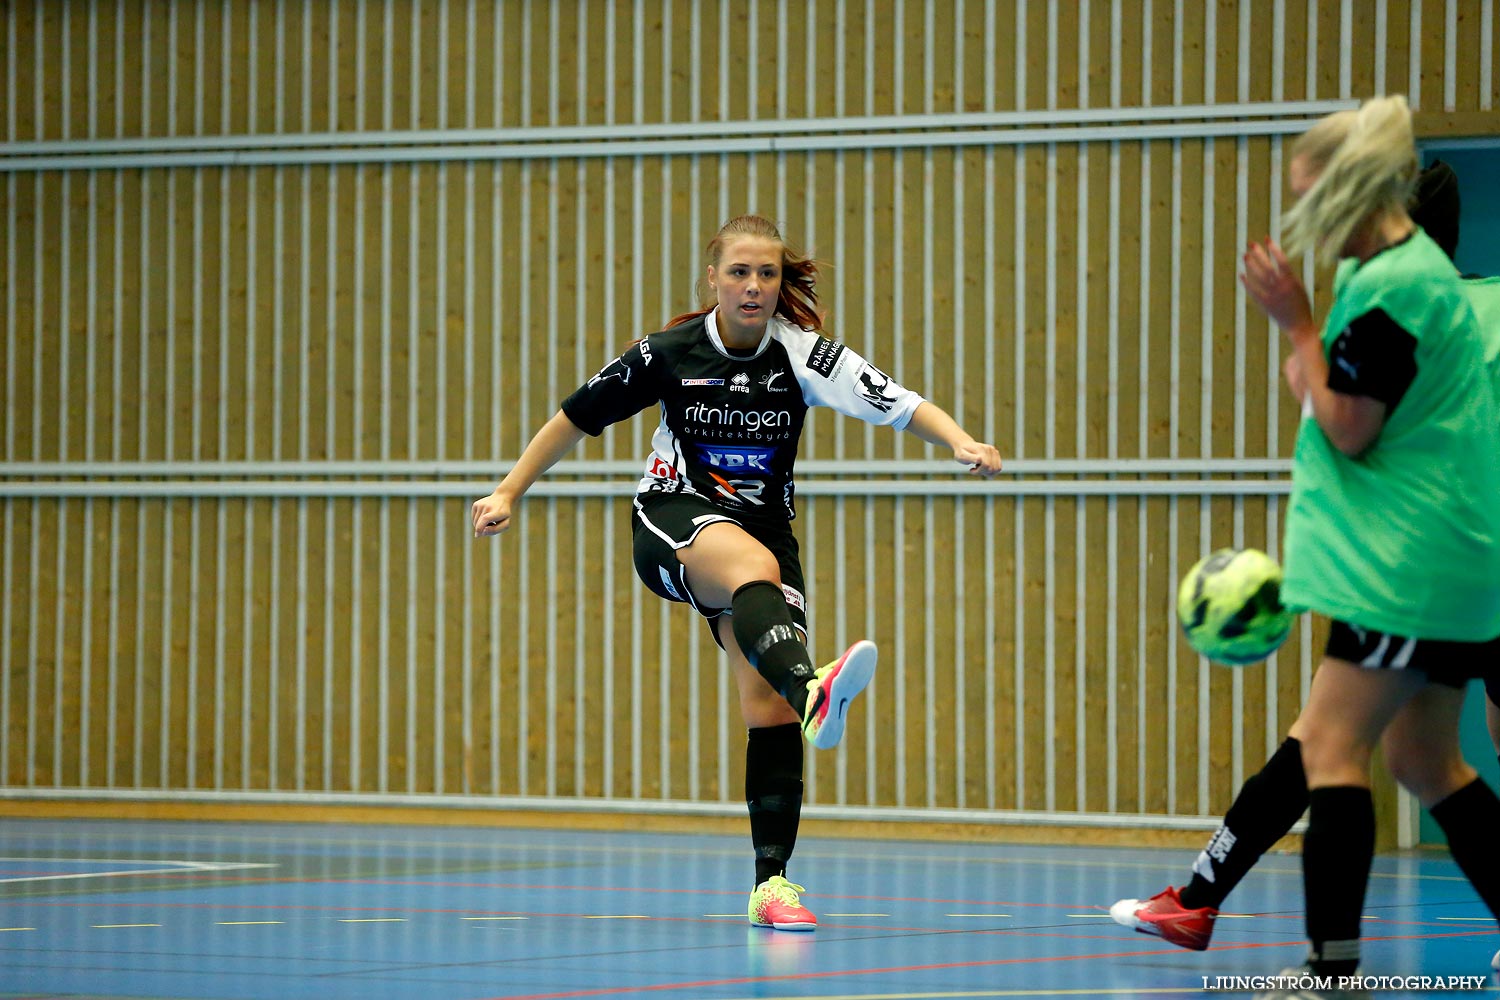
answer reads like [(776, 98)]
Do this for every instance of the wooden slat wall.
[(1064, 300)]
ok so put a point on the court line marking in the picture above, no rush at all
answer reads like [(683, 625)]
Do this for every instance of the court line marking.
[(103, 927), (175, 867), (807, 976), (4, 929), (987, 964), (372, 920), (494, 918), (246, 923), (808, 852)]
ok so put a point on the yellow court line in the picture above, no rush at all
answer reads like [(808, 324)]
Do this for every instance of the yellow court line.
[(109, 926), (247, 923), (4, 929), (372, 920), (1480, 919), (492, 918)]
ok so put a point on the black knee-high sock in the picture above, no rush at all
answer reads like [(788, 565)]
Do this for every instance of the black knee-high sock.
[(1470, 817), (1268, 804), (763, 628), (1336, 855), (773, 791)]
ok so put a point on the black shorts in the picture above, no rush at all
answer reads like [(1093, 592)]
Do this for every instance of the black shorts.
[(1446, 662), (666, 522)]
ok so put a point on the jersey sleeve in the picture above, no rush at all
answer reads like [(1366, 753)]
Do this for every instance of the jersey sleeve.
[(1374, 356), (832, 375), (621, 389)]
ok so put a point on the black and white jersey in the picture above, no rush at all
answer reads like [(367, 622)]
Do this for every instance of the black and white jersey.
[(731, 421)]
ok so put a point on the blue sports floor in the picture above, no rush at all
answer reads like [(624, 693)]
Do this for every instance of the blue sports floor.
[(221, 911)]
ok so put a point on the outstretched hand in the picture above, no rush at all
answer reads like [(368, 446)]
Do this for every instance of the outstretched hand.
[(1274, 287), (982, 459), (491, 514)]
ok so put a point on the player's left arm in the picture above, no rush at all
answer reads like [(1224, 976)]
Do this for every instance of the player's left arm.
[(1350, 418), (1349, 408), (933, 425)]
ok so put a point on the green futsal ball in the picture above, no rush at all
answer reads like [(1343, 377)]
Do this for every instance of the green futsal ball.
[(1230, 607)]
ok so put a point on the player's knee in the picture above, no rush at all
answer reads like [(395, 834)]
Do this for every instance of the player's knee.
[(1414, 773), (760, 564), (761, 707), (1333, 756), (1428, 770)]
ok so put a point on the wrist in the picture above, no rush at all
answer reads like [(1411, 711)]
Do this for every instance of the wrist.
[(1300, 332)]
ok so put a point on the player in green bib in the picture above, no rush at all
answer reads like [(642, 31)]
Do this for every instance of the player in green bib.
[(1391, 489), (1275, 797), (1393, 529)]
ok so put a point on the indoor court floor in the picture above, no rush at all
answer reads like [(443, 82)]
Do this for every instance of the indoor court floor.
[(325, 912)]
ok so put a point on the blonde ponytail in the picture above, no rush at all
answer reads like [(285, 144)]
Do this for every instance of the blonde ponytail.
[(1365, 162)]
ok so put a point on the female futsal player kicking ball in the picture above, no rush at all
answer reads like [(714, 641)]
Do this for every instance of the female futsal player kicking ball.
[(712, 516)]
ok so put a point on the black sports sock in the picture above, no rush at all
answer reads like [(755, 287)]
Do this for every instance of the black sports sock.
[(763, 628), (1470, 817), (773, 791), (1336, 855), (1268, 804)]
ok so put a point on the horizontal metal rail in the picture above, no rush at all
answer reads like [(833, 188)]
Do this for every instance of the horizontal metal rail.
[(634, 468), (629, 806), (657, 147), (693, 129), (607, 488)]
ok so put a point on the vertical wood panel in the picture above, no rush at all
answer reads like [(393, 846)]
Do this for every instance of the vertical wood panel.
[(442, 310)]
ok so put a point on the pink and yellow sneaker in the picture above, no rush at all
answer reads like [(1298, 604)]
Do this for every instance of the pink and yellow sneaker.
[(832, 689), (775, 903)]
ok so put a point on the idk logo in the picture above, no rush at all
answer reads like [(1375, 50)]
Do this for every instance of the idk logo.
[(737, 460)]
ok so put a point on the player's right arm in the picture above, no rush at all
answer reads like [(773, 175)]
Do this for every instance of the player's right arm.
[(557, 437), (623, 388)]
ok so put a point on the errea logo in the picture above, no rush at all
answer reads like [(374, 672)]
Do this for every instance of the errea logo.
[(740, 383)]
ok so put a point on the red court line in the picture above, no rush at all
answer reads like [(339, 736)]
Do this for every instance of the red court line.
[(992, 963), (537, 914), (803, 976), (107, 904)]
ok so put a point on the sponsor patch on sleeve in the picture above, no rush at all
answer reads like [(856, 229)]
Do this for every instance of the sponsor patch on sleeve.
[(825, 356), (873, 385)]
